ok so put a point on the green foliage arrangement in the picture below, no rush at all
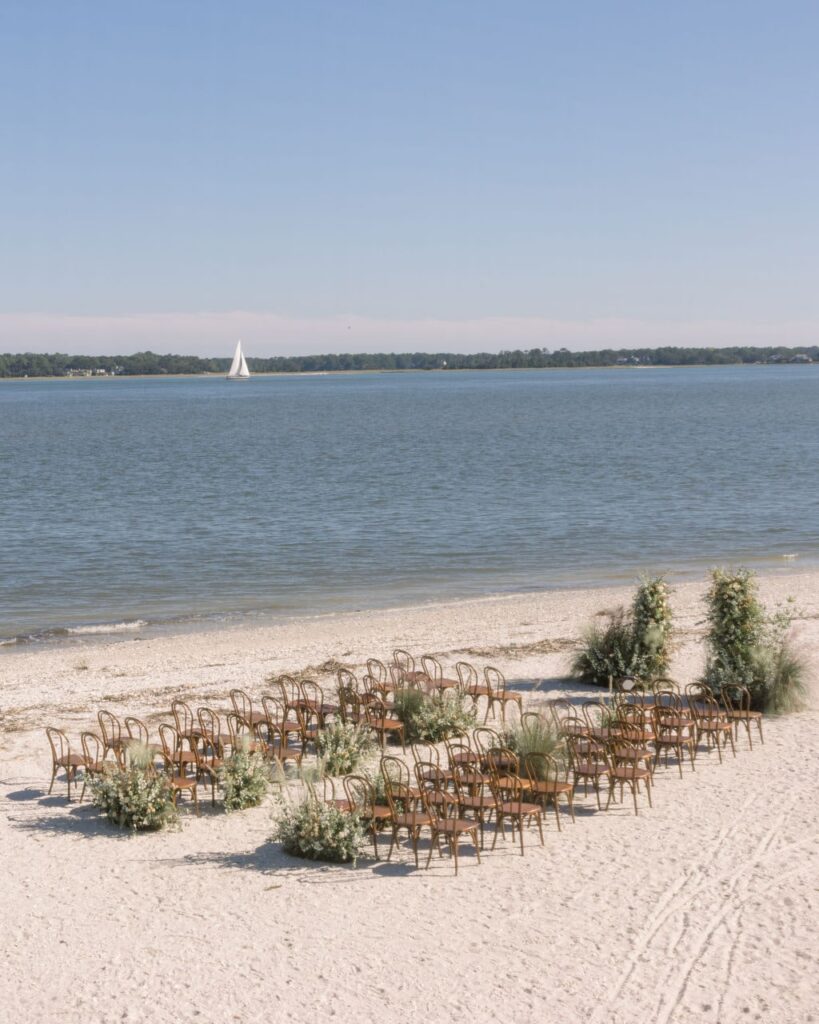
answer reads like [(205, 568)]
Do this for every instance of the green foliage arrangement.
[(430, 719), (244, 778), (535, 736), (747, 646), (606, 650), (135, 798), (635, 643), (342, 746), (319, 831), (652, 621)]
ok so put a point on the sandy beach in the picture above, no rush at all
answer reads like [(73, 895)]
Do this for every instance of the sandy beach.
[(703, 909)]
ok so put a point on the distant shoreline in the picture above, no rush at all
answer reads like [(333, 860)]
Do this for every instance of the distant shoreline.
[(372, 372)]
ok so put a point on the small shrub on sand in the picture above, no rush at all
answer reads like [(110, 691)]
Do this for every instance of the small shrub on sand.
[(135, 798), (606, 650), (244, 778), (319, 831), (430, 719), (535, 736), (342, 746)]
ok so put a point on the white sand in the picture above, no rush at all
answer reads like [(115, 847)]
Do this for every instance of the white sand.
[(703, 909)]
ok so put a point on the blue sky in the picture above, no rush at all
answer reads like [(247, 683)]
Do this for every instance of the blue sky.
[(320, 176)]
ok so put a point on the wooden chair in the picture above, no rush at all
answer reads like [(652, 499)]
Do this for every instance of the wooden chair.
[(242, 736), (628, 769), (207, 763), (404, 802), (589, 763), (93, 755), (443, 811), (210, 731), (186, 722), (714, 724), (736, 700), (61, 757), (498, 694), (178, 763), (138, 736), (361, 797), (315, 701), (673, 731), (112, 738), (511, 802), (548, 782), (473, 795), (434, 671), (243, 707), (286, 722), (379, 720)]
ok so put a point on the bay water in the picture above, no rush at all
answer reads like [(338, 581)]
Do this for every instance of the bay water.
[(129, 503)]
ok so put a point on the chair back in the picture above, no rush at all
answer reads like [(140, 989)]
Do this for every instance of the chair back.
[(347, 678), (467, 676), (211, 728), (93, 751), (137, 730), (171, 742), (495, 681), (403, 660), (378, 670), (242, 705), (110, 728), (736, 698), (540, 767), (183, 717), (484, 739), (58, 741), (432, 668), (360, 794)]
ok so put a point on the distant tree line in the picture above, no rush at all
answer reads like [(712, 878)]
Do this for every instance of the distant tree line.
[(30, 364)]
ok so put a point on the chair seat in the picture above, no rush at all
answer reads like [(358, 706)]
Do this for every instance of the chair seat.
[(744, 714), (520, 807), (453, 826), (550, 786), (477, 803), (630, 772), (71, 761), (182, 782), (386, 723), (404, 820)]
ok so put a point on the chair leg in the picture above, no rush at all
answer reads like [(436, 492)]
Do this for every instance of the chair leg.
[(53, 777)]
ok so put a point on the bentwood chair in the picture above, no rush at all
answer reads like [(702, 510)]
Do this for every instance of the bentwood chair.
[(713, 723), (512, 802), (496, 684), (61, 757), (112, 738), (628, 768), (286, 722), (404, 802), (178, 763), (737, 703), (93, 755), (383, 724), (675, 732), (362, 800), (590, 764), (243, 707), (443, 809), (548, 781)]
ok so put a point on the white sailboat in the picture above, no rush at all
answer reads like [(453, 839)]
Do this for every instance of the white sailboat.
[(238, 368)]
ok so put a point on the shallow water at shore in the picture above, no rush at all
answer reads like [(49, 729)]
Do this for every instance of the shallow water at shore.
[(181, 502)]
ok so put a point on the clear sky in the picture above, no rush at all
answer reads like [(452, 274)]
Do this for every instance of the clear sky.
[(350, 175)]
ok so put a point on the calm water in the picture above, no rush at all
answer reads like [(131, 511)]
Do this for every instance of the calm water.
[(181, 498)]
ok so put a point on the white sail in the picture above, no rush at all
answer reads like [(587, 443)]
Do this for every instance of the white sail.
[(238, 368)]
